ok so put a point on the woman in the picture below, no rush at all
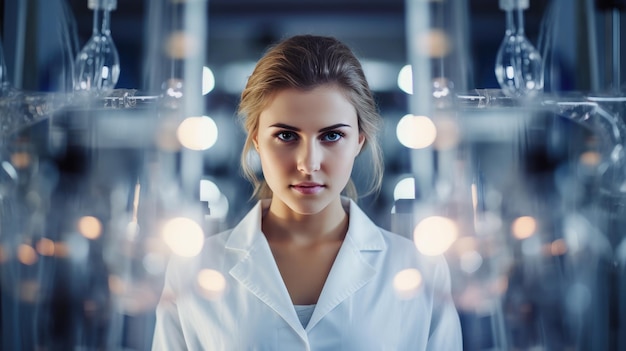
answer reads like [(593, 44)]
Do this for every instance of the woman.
[(306, 269)]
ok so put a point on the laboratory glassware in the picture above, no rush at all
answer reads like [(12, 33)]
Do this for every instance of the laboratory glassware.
[(97, 64), (519, 66)]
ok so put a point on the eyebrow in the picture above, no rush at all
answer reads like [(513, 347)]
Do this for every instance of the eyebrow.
[(325, 129)]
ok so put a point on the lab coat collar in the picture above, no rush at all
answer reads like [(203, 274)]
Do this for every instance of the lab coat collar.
[(257, 270)]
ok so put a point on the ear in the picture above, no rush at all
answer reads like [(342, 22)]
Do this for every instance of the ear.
[(361, 142), (255, 141)]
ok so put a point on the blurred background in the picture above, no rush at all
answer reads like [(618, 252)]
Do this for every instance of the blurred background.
[(503, 150)]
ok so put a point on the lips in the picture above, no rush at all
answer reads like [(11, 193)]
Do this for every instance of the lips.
[(308, 188)]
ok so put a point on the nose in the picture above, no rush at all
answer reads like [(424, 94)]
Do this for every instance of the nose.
[(309, 157)]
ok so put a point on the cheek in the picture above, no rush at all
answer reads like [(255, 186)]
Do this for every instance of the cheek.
[(273, 160), (341, 162)]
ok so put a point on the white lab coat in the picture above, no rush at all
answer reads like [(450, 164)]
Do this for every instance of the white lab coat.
[(359, 308)]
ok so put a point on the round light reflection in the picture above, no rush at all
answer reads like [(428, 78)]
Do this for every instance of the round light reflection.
[(524, 227), (183, 236), (45, 247), (471, 261), (26, 255), (416, 132), (197, 133), (405, 79), (212, 283), (209, 191), (404, 189), (90, 227), (434, 43), (434, 235), (208, 80), (407, 282)]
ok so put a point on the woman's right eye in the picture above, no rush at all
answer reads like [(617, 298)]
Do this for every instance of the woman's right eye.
[(285, 136)]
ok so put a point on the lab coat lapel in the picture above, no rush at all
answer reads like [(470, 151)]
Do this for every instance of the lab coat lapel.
[(351, 270), (257, 270)]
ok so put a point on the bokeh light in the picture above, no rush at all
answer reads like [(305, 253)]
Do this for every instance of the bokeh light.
[(558, 247), (404, 189), (184, 236), (435, 43), (448, 133), (197, 133), (180, 45), (416, 132), (219, 209), (523, 227), (590, 158), (45, 247), (116, 284), (212, 283), (434, 235), (154, 263), (471, 261), (209, 191), (26, 254), (407, 283), (405, 79), (90, 227), (21, 159), (208, 80)]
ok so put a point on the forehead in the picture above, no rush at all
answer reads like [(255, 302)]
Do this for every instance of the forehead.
[(323, 105)]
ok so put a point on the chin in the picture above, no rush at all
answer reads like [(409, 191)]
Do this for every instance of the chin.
[(307, 206)]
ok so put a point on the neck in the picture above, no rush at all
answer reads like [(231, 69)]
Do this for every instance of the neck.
[(282, 224)]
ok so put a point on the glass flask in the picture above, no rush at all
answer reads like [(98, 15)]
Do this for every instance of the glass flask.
[(97, 66), (519, 67)]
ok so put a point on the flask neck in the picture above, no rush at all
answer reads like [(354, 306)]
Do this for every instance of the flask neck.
[(101, 22), (515, 22)]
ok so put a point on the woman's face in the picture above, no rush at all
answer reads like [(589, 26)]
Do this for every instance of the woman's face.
[(307, 142)]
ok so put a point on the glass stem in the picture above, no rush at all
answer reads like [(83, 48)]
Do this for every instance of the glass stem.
[(106, 22), (520, 22), (97, 14), (510, 24), (101, 21)]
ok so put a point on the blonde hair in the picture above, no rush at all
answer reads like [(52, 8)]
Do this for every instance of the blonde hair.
[(304, 62)]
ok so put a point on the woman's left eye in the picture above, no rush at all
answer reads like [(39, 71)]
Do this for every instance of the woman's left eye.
[(332, 136)]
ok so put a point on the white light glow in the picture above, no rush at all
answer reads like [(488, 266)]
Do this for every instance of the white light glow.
[(208, 80), (184, 236), (416, 132), (405, 189), (405, 79), (197, 133), (209, 191), (434, 235), (212, 283), (105, 72), (219, 209), (510, 72), (407, 282)]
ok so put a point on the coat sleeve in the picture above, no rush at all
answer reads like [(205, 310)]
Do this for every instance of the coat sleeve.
[(445, 328), (168, 332)]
